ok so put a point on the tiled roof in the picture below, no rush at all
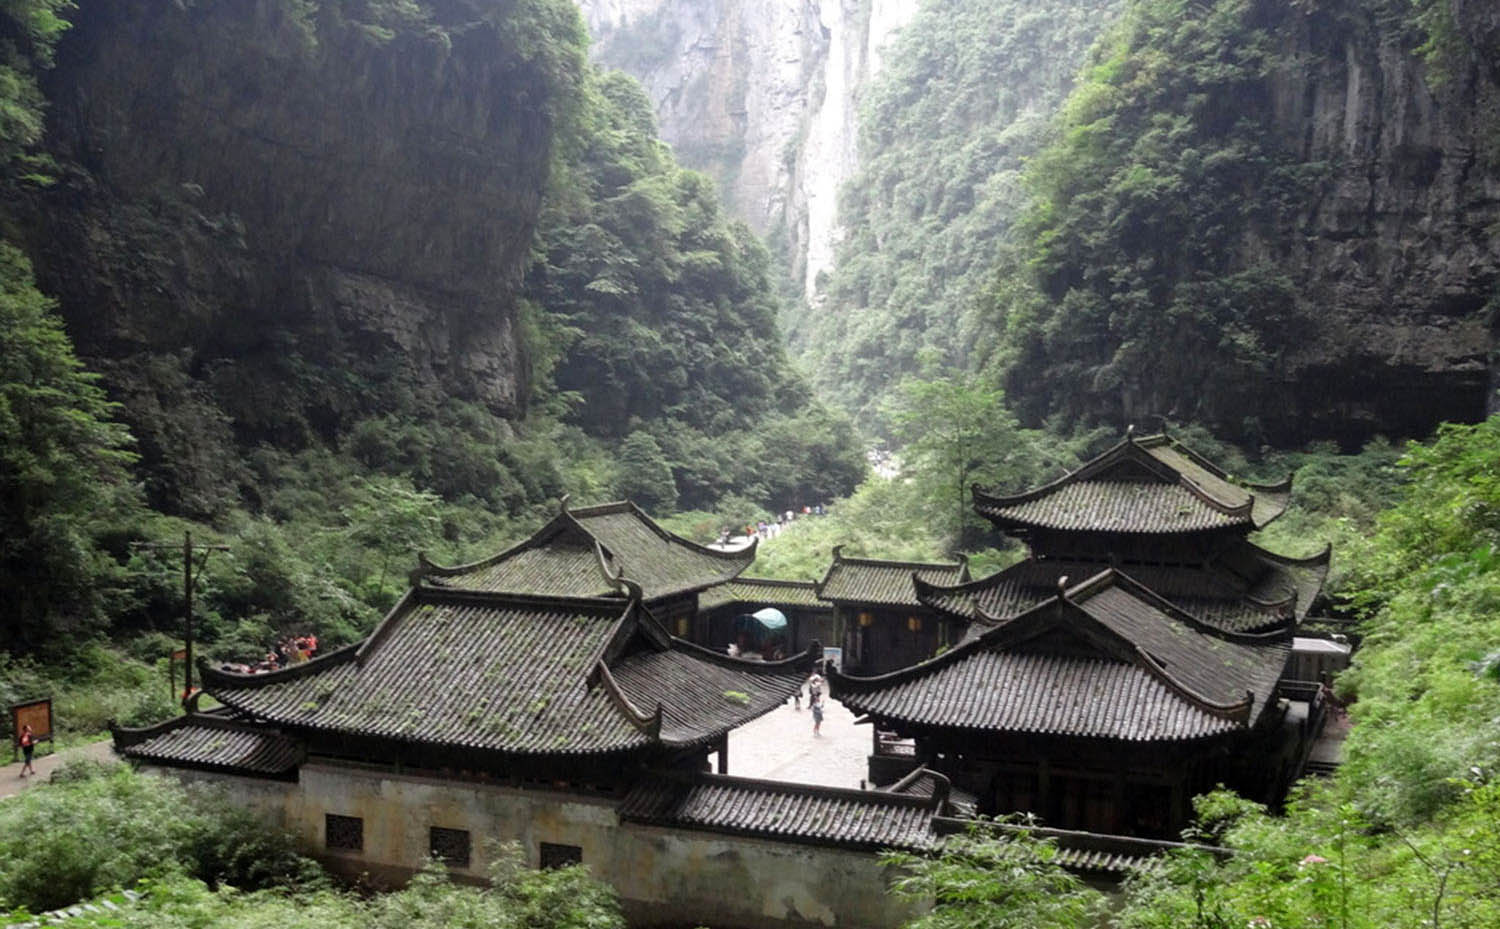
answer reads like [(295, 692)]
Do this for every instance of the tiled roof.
[(1080, 851), (1153, 485), (884, 583), (925, 782), (869, 819), (569, 556), (1003, 691), (762, 590), (526, 676), (561, 569), (1110, 660), (703, 693), (1245, 589), (1107, 862), (215, 742)]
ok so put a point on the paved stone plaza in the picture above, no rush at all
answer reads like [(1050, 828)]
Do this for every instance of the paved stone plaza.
[(780, 746)]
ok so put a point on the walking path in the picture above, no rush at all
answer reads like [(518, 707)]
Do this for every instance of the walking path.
[(780, 746), (12, 783)]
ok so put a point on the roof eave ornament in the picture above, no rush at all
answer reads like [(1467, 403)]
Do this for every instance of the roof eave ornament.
[(562, 505), (424, 568), (838, 552), (612, 578)]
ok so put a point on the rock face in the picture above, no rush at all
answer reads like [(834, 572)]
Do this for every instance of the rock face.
[(1400, 252), (296, 214), (761, 94)]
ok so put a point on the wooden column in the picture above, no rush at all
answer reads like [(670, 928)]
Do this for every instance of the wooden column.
[(723, 749)]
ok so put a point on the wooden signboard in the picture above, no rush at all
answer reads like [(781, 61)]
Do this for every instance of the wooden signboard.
[(38, 715)]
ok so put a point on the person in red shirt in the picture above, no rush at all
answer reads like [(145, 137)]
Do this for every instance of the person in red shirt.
[(28, 748)]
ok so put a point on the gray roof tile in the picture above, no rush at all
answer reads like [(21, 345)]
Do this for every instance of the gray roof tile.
[(884, 583), (762, 590), (1110, 661), (1153, 485), (1245, 589), (515, 675), (856, 818), (568, 558), (214, 742)]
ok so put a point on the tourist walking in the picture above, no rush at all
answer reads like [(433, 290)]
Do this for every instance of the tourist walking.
[(28, 748), (817, 710)]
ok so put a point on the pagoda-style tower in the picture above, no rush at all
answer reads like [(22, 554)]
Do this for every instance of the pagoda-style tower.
[(1138, 657), (1148, 501)]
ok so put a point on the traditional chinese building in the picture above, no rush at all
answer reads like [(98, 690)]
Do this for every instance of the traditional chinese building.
[(1137, 658), (883, 623), (810, 619), (583, 553), (549, 696)]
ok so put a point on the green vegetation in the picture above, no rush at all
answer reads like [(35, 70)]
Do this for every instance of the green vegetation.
[(98, 827), (656, 367), (565, 898), (993, 880), (955, 432), (660, 313), (201, 862), (965, 98), (1133, 295)]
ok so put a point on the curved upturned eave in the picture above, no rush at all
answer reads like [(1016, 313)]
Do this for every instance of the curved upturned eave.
[(740, 559)]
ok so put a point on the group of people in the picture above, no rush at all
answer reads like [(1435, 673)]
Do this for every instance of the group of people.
[(294, 649), (770, 529)]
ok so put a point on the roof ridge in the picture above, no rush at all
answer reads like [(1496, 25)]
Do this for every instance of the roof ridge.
[(925, 593), (1138, 451), (1238, 711), (883, 797), (434, 595), (888, 563), (126, 736), (647, 723), (339, 656), (1309, 561), (739, 664), (979, 490), (428, 568), (952, 655), (1145, 594), (629, 506), (771, 581)]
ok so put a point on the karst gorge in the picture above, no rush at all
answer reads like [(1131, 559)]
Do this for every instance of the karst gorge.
[(355, 294)]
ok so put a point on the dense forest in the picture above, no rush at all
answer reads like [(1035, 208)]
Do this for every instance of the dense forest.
[(967, 98), (326, 402), (1274, 219)]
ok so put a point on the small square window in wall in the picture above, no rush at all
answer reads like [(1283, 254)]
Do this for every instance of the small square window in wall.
[(560, 856), (450, 846), (346, 833)]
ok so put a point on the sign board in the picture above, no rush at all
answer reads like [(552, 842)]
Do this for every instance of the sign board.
[(37, 714)]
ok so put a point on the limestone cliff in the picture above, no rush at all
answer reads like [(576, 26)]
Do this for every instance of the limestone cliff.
[(1311, 252), (272, 216), (761, 94), (1399, 251)]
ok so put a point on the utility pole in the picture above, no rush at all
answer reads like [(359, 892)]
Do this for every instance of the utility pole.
[(189, 581)]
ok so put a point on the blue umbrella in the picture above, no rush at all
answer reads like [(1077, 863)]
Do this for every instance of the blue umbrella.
[(772, 619)]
